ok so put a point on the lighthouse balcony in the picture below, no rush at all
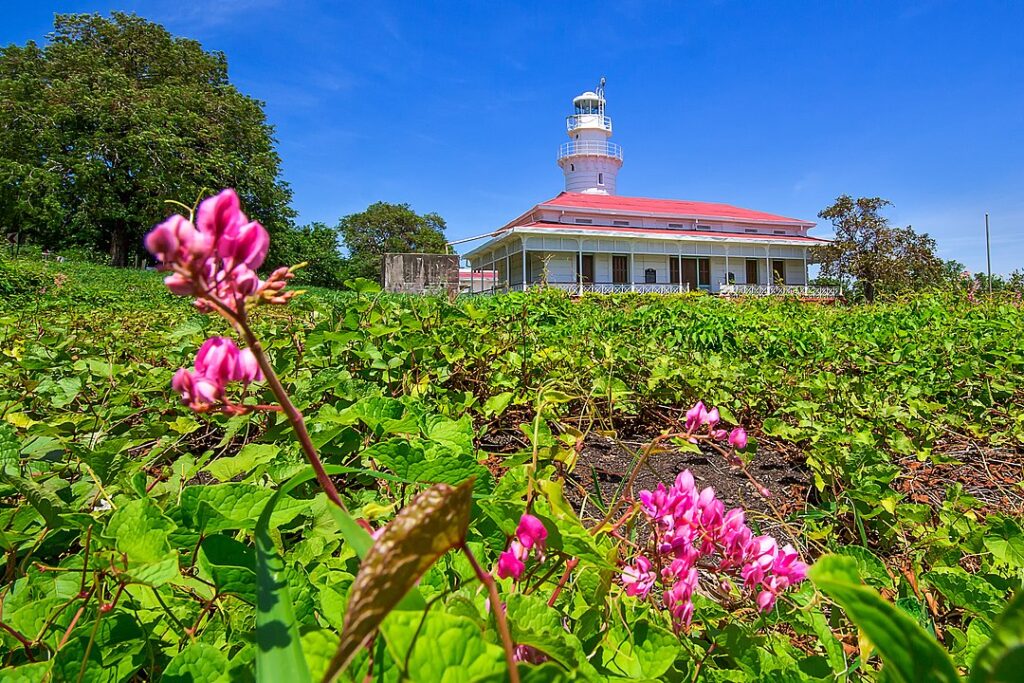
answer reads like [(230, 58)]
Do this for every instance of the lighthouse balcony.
[(598, 148), (577, 121)]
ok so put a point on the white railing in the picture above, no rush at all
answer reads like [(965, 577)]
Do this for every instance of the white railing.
[(806, 291), (610, 287), (574, 121), (599, 148)]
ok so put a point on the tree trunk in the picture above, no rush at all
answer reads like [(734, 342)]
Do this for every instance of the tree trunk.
[(119, 245), (869, 290)]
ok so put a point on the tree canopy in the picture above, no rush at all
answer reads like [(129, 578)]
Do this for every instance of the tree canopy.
[(112, 118), (873, 254), (389, 228)]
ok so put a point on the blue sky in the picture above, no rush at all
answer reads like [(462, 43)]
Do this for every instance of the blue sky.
[(779, 106)]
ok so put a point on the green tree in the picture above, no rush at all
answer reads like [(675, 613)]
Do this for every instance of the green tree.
[(316, 245), (112, 118), (874, 255), (389, 228)]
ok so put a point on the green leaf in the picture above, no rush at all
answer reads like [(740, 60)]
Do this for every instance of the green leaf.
[(869, 566), (249, 457), (37, 672), (643, 651), (444, 648), (197, 663), (140, 530), (231, 565), (1002, 659), (497, 404), (279, 655), (44, 501), (968, 591), (431, 524), (228, 507), (533, 623), (909, 653), (9, 447)]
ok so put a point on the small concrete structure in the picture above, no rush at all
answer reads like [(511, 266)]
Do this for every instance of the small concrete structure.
[(420, 273)]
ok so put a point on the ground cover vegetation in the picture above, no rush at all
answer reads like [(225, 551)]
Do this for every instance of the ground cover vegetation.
[(522, 487)]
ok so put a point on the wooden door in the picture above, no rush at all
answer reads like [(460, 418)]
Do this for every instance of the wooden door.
[(704, 271), (673, 270), (690, 273), (751, 271), (587, 268), (620, 268)]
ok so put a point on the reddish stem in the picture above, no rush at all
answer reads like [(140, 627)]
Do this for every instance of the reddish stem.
[(498, 608)]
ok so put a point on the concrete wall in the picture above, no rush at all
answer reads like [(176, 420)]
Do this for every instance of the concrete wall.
[(420, 273)]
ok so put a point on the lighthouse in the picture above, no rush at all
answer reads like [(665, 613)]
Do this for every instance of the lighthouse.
[(589, 161)]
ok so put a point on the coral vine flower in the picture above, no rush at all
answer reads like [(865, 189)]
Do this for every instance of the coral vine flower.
[(216, 259), (218, 363), (530, 535), (531, 532), (693, 530), (638, 577), (738, 438), (696, 416)]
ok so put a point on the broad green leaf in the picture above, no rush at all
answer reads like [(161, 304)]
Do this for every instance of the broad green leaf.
[(224, 507), (431, 524), (37, 672), (441, 648), (869, 566), (231, 564), (908, 652), (249, 457), (1002, 659), (968, 591), (140, 530), (533, 623), (643, 651), (497, 404), (197, 663)]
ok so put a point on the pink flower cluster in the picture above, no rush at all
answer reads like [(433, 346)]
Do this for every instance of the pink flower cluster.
[(691, 530), (218, 362), (699, 416), (530, 536), (216, 259)]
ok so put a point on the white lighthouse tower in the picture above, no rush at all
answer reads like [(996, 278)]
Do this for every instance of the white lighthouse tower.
[(589, 161)]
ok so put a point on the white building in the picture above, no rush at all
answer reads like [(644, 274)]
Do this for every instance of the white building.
[(588, 239)]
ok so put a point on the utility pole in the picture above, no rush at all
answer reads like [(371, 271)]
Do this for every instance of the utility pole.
[(988, 254)]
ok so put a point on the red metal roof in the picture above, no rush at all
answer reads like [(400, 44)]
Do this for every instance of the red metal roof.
[(667, 231), (668, 207)]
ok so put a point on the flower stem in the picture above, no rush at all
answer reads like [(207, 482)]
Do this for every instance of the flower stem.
[(499, 614), (295, 418)]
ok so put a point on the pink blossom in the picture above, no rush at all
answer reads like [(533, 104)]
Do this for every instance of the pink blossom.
[(531, 532), (510, 562), (638, 577), (247, 368), (216, 259), (217, 358), (738, 438), (765, 601), (695, 416), (712, 418), (719, 435)]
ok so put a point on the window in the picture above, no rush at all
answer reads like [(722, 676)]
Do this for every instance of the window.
[(673, 270), (600, 178), (701, 227), (779, 232), (730, 279), (620, 222), (585, 221), (572, 167), (675, 225), (751, 271), (650, 276), (620, 267), (577, 136), (749, 230)]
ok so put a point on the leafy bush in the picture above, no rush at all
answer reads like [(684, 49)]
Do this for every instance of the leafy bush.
[(145, 539)]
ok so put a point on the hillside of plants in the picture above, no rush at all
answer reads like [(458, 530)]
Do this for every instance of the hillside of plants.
[(546, 454)]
